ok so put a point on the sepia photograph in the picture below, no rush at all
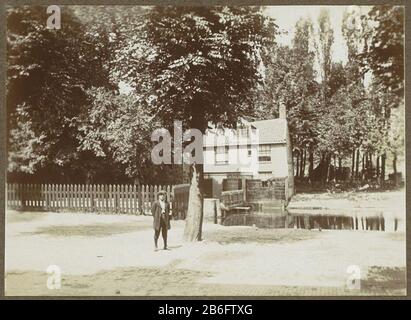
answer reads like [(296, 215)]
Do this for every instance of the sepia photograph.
[(205, 151)]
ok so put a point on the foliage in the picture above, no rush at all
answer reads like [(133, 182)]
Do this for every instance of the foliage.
[(68, 117), (118, 128), (385, 54), (48, 74), (198, 64)]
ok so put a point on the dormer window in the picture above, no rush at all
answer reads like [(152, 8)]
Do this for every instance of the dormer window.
[(221, 154), (244, 132)]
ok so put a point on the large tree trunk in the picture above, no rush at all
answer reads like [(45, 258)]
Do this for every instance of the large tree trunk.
[(367, 161), (328, 169), (371, 165), (194, 219), (311, 167), (394, 164), (325, 165), (353, 165), (377, 169), (357, 163), (362, 167), (303, 161), (394, 167), (383, 169), (297, 167)]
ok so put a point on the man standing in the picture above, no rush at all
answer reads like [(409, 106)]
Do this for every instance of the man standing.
[(161, 214)]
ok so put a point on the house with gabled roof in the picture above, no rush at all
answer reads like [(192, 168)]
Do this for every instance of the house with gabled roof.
[(253, 150)]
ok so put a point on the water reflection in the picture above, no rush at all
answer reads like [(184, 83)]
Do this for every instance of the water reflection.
[(339, 222), (311, 220)]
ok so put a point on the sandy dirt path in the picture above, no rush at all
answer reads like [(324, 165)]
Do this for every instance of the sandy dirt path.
[(98, 253)]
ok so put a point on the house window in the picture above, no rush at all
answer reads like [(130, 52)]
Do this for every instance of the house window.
[(244, 132), (264, 176), (264, 153), (221, 154), (249, 150)]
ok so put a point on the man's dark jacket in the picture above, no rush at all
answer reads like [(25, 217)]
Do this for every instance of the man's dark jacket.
[(156, 212)]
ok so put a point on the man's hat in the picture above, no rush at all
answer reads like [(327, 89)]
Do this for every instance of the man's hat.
[(162, 192)]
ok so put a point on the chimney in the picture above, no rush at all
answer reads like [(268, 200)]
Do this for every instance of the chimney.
[(282, 111)]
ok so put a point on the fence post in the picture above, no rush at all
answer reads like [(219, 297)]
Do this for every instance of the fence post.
[(69, 193), (74, 196), (105, 200), (98, 197), (121, 198), (47, 186), (85, 198), (40, 196), (92, 204), (67, 196), (143, 197), (110, 197), (133, 199), (80, 197), (51, 196), (60, 195), (126, 197), (33, 196), (115, 198), (22, 195), (125, 201), (42, 202), (34, 193), (136, 202), (130, 198), (56, 197), (28, 195), (140, 205)]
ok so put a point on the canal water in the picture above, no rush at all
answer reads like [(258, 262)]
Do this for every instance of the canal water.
[(367, 221), (342, 222)]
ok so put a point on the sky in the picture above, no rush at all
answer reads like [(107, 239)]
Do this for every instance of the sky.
[(287, 16)]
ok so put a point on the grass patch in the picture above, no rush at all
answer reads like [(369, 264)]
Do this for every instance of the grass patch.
[(121, 281), (248, 235), (92, 230), (23, 216), (397, 236), (169, 281), (385, 278)]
